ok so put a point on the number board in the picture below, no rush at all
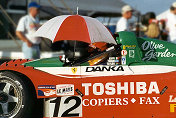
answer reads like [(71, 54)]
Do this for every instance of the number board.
[(67, 106)]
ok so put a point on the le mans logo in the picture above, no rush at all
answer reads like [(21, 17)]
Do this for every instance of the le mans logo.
[(74, 70)]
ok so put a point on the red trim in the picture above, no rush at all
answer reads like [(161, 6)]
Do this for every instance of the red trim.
[(73, 28)]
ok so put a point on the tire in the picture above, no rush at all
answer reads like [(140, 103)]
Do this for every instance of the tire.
[(17, 98)]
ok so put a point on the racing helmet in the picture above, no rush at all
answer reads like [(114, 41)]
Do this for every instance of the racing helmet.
[(72, 50)]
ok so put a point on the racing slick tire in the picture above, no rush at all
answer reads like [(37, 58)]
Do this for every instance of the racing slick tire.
[(17, 99)]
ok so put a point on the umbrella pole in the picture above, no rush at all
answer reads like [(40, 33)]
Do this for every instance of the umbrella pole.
[(74, 50)]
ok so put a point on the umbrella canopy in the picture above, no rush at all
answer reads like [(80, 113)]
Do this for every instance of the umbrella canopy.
[(75, 27)]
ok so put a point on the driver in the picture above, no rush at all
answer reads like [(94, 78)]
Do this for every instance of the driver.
[(101, 47), (98, 47), (99, 60)]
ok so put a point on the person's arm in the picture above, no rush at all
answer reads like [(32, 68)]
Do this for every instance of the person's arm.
[(21, 36)]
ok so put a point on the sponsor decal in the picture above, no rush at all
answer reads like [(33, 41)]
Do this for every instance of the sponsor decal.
[(49, 92), (131, 53), (112, 61), (124, 47), (119, 88), (105, 102), (149, 100), (64, 89), (123, 60), (172, 98), (120, 101), (46, 87), (74, 70), (172, 107), (130, 46), (124, 52), (150, 48), (59, 90), (46, 90), (104, 68)]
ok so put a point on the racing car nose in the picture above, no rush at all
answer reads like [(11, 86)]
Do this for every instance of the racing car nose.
[(3, 97)]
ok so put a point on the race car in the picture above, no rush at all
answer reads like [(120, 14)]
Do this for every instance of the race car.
[(137, 82)]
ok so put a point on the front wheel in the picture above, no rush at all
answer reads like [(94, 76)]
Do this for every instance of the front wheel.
[(16, 96)]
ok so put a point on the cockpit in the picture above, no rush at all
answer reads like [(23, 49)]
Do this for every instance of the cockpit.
[(80, 53)]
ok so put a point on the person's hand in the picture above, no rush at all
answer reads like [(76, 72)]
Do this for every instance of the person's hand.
[(29, 44)]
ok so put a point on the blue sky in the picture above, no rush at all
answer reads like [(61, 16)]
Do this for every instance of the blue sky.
[(158, 6)]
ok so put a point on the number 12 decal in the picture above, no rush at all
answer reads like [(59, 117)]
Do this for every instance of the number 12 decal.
[(69, 106)]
